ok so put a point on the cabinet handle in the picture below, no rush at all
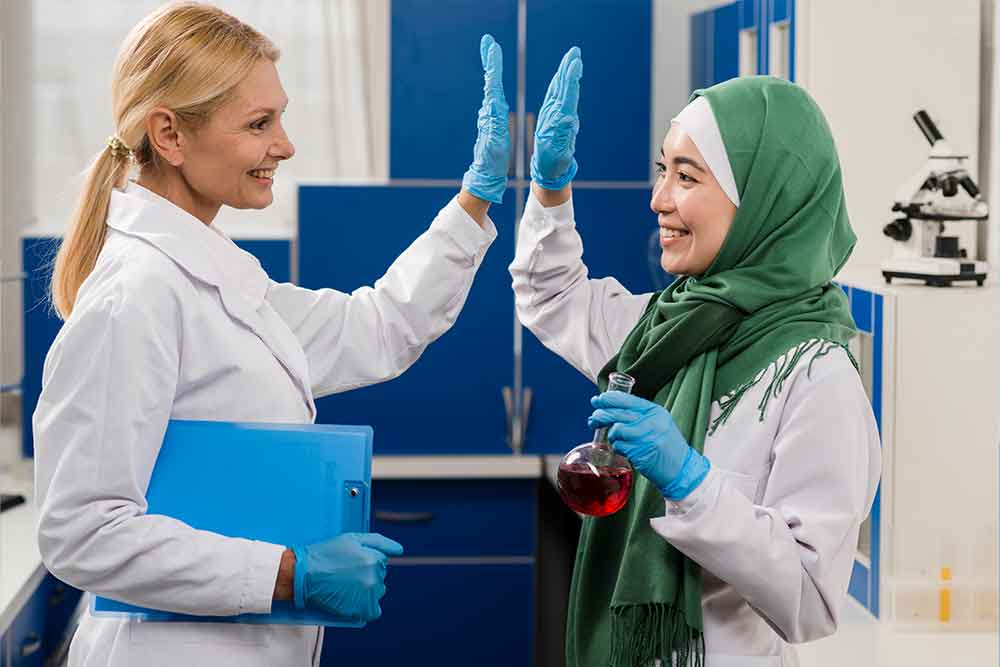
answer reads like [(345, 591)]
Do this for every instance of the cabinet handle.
[(404, 517), (529, 139), (32, 644), (512, 129)]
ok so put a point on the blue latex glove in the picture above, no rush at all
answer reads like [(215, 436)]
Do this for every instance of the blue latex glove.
[(552, 163), (344, 575), (487, 177), (647, 436)]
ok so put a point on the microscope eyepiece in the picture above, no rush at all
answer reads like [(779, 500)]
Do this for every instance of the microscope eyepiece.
[(927, 126)]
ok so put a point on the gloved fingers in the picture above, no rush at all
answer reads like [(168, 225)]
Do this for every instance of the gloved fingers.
[(558, 79), (608, 416), (570, 94), (492, 57), (381, 543), (484, 49), (626, 432), (619, 399)]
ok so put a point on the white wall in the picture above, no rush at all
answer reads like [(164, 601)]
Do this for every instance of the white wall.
[(871, 64), (16, 171)]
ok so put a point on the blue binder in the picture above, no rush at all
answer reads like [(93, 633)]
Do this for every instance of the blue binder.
[(281, 483)]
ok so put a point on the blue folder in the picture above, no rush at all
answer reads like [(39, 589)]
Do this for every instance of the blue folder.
[(281, 483)]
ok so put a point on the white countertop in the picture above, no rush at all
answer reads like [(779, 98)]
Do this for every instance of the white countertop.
[(869, 277), (21, 567), (456, 467)]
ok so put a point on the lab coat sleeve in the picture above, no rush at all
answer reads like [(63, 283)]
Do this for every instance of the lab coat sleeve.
[(791, 556), (108, 389), (375, 333), (583, 320)]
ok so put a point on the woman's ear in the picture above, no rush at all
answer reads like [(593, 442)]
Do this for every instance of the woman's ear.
[(165, 137)]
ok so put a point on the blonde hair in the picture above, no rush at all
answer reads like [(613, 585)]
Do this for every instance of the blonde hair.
[(187, 57)]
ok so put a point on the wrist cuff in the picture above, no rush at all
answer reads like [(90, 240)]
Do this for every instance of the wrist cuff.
[(300, 577)]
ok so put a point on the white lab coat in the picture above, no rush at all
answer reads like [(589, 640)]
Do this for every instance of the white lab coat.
[(177, 322), (775, 523)]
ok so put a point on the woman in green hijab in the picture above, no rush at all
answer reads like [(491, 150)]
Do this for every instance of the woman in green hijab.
[(758, 451)]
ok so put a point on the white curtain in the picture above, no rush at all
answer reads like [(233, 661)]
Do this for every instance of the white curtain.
[(334, 67)]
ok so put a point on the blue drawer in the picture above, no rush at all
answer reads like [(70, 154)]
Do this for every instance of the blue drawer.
[(447, 615), (463, 518), (24, 637)]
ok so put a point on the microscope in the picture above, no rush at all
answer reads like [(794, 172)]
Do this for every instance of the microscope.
[(942, 191)]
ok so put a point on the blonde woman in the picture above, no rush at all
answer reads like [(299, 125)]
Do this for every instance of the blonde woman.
[(166, 318)]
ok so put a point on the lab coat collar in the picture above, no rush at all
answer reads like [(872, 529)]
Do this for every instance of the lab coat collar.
[(200, 249), (211, 257)]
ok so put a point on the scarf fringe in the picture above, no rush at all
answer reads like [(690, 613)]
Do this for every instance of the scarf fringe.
[(642, 634), (783, 367)]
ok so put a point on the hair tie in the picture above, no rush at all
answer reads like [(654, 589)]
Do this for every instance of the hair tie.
[(118, 148)]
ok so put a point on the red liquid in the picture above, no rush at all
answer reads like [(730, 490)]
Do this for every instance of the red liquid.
[(595, 495)]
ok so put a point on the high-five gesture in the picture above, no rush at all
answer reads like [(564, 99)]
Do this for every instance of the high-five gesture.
[(487, 176), (552, 163)]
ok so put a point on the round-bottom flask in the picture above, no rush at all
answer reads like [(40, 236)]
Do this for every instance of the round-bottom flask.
[(594, 479)]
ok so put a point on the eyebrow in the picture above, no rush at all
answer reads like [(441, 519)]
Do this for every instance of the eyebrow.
[(679, 160), (266, 109)]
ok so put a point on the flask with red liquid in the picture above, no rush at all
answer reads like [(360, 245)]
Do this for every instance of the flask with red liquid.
[(593, 478)]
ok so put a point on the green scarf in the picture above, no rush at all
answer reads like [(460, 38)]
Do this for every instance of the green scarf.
[(767, 299)]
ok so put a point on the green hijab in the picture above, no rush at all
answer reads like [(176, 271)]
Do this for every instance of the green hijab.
[(767, 299)]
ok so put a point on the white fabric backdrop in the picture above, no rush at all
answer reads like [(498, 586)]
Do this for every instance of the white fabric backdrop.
[(334, 67)]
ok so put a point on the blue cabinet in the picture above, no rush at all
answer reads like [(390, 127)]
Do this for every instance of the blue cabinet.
[(436, 81), (464, 592), (615, 37), (714, 45), (41, 325), (41, 625), (459, 377), (766, 29)]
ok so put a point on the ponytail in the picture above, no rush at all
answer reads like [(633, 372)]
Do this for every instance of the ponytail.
[(87, 229)]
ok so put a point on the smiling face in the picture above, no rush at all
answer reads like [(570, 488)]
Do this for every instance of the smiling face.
[(693, 211), (231, 157)]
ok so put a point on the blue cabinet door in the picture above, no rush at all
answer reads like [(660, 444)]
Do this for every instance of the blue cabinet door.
[(444, 518), (24, 637), (275, 256), (615, 37), (450, 400), (616, 226), (715, 45), (436, 81), (700, 50), (447, 615), (725, 43), (40, 326)]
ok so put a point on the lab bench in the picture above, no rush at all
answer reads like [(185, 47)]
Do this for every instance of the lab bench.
[(928, 363)]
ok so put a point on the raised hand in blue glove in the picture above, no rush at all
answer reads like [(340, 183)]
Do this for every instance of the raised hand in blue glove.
[(552, 163), (487, 177), (647, 436), (344, 575)]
